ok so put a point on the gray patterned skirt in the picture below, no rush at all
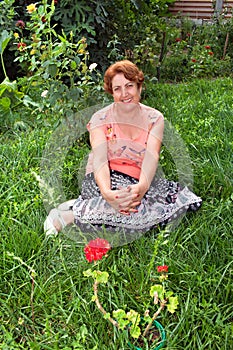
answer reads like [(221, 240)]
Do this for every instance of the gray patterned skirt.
[(164, 204)]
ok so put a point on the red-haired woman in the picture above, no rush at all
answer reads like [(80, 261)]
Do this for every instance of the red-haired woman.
[(122, 196)]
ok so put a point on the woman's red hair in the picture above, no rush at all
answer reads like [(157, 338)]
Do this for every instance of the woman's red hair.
[(128, 68)]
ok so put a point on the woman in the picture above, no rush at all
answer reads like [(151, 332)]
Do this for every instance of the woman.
[(120, 192)]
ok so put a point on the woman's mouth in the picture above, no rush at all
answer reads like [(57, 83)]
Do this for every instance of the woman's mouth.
[(127, 101)]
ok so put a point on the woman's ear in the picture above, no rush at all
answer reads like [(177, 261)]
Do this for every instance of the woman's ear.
[(140, 90)]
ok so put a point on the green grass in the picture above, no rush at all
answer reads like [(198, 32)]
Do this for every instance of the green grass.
[(45, 301)]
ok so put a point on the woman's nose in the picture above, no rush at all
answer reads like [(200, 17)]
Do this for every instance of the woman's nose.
[(124, 92)]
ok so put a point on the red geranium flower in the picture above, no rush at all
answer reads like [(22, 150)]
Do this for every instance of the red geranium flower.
[(207, 47), (178, 40), (21, 46), (194, 60), (96, 249), (210, 53), (162, 268)]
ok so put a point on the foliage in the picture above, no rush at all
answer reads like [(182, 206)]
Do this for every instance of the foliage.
[(82, 19), (176, 50), (7, 24), (10, 96), (7, 13), (95, 250), (4, 40), (98, 22), (57, 68), (195, 50), (142, 31)]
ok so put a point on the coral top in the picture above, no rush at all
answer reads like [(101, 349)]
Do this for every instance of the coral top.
[(124, 153)]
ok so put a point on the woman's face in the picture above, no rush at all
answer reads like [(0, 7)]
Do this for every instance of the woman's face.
[(124, 90)]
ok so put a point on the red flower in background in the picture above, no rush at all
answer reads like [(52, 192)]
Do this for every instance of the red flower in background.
[(207, 47), (194, 60), (96, 249), (178, 40), (162, 268), (210, 53), (20, 24), (21, 46)]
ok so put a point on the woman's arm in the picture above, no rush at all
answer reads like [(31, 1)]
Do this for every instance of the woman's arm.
[(118, 199), (151, 159), (100, 160)]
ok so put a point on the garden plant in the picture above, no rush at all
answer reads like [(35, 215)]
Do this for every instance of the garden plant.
[(46, 297), (95, 250)]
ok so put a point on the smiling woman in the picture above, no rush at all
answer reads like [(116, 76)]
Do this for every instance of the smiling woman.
[(122, 195), (125, 90)]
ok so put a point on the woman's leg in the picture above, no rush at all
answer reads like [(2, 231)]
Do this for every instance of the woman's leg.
[(66, 205)]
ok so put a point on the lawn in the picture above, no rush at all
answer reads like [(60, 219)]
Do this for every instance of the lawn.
[(45, 299)]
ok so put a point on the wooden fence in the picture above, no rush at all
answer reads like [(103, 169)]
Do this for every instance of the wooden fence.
[(202, 10)]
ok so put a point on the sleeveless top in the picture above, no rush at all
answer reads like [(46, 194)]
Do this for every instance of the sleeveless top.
[(124, 154)]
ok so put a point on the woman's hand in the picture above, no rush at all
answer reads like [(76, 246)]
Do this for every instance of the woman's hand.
[(139, 190), (124, 200)]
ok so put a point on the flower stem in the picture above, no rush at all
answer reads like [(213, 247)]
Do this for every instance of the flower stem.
[(155, 252), (3, 66), (100, 307), (162, 305)]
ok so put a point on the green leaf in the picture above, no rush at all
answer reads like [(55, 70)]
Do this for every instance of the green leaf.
[(122, 324), (88, 273), (73, 65), (28, 101), (101, 277), (52, 70), (5, 103), (63, 39), (107, 316), (93, 298), (8, 85), (169, 294), (134, 317), (4, 40), (157, 288), (147, 319), (173, 303), (135, 332), (119, 314)]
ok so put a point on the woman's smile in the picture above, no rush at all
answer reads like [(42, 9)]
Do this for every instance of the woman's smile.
[(124, 90)]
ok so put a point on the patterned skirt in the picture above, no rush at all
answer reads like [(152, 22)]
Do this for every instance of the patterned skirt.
[(164, 204)]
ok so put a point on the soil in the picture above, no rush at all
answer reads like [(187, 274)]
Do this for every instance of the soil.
[(152, 339)]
